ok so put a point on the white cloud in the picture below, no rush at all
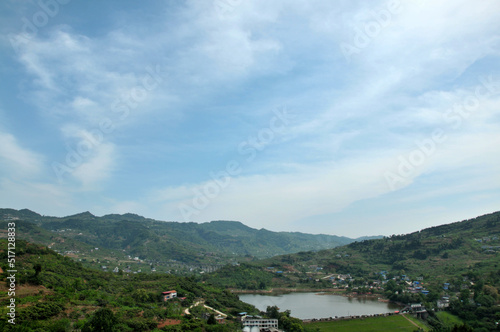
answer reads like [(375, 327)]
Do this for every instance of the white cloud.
[(18, 161), (43, 198), (275, 200), (97, 167), (352, 119)]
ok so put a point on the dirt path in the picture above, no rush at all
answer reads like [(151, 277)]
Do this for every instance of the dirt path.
[(217, 311), (411, 321), (206, 306), (187, 309)]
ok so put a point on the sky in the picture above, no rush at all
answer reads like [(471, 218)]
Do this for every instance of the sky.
[(338, 117)]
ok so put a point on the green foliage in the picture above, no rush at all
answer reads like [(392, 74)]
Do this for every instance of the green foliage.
[(41, 311), (272, 312), (71, 296), (141, 324), (244, 276), (103, 320), (211, 320), (214, 243)]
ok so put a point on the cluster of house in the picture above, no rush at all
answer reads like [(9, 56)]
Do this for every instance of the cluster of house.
[(340, 279), (487, 239), (488, 249), (273, 269), (416, 287), (9, 217)]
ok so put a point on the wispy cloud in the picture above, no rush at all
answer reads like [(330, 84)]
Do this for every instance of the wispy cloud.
[(18, 161), (217, 77)]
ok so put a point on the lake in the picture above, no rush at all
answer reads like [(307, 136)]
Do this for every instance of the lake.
[(312, 305)]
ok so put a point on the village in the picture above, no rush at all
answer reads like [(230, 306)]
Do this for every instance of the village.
[(346, 285)]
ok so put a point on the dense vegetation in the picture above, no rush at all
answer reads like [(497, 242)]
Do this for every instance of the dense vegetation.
[(167, 246), (55, 293)]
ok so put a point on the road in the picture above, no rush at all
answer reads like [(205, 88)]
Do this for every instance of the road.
[(206, 306)]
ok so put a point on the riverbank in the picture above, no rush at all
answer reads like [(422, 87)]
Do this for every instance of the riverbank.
[(337, 318), (275, 291), (320, 291)]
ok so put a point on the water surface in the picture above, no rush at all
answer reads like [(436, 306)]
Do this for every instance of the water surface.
[(312, 305)]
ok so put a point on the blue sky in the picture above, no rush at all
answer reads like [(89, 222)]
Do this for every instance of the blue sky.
[(340, 117)]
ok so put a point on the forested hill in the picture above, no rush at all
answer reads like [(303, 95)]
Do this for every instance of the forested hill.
[(119, 236), (442, 251), (55, 293)]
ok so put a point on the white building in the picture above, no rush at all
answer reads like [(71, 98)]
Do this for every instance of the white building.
[(260, 323)]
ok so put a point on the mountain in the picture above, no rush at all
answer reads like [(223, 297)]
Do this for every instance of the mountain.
[(465, 249), (439, 251), (133, 239)]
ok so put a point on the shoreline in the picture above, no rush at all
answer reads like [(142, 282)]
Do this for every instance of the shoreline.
[(323, 291), (285, 291)]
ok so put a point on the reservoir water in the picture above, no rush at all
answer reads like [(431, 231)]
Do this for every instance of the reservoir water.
[(319, 305)]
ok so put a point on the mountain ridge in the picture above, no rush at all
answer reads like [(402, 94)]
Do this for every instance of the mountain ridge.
[(22, 213), (126, 237)]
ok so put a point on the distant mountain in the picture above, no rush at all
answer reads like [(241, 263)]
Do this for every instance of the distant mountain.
[(19, 214), (158, 243)]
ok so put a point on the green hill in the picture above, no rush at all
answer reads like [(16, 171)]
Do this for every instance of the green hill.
[(55, 293), (132, 240), (438, 254)]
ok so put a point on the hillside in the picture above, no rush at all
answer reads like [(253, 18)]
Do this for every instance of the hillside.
[(438, 254), (455, 267), (439, 251), (54, 293), (132, 240)]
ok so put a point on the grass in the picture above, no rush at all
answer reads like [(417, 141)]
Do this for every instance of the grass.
[(448, 319), (418, 322), (389, 323)]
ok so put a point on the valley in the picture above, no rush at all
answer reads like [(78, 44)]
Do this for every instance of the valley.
[(137, 244), (118, 263)]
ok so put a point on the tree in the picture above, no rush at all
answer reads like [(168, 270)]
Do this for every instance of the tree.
[(490, 290), (391, 285), (103, 320), (38, 269), (272, 312), (462, 328), (211, 320), (464, 296)]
